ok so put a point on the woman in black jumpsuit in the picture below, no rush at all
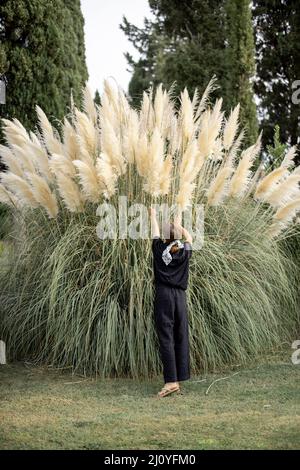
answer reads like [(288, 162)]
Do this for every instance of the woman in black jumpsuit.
[(170, 306)]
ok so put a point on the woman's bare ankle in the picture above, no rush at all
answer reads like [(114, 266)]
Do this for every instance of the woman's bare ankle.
[(171, 384)]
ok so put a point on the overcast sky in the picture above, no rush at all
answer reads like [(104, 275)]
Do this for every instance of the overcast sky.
[(105, 42)]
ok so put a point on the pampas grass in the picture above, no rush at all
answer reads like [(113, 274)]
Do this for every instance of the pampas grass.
[(62, 164), (6, 197), (284, 216), (86, 133), (69, 193), (286, 213), (268, 184), (288, 160), (210, 126), (23, 156), (20, 188), (71, 149), (242, 175), (43, 194), (10, 160), (88, 180), (50, 138), (219, 187), (230, 128), (70, 299), (89, 105), (284, 191)]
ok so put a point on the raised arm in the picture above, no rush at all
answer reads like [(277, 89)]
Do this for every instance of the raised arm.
[(188, 237), (154, 223), (182, 232)]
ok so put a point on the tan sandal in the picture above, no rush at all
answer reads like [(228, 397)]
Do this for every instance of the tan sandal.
[(167, 391)]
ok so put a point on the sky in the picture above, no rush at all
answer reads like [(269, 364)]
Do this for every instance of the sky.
[(105, 42)]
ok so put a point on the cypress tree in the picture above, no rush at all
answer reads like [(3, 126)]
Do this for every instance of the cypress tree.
[(42, 55), (240, 62), (184, 43), (190, 41), (97, 98), (148, 41), (195, 41), (277, 26)]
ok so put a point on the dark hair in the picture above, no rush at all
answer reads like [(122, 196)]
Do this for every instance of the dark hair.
[(171, 233), (171, 237)]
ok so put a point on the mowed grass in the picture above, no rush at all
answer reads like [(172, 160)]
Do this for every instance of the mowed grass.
[(258, 408)]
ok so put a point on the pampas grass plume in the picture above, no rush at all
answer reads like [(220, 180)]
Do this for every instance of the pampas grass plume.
[(231, 128), (267, 184), (69, 193), (20, 188), (88, 180), (43, 194)]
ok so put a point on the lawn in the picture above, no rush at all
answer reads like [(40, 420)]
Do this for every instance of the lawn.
[(257, 408)]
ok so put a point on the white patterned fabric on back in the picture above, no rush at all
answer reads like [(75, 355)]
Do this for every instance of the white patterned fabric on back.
[(166, 255)]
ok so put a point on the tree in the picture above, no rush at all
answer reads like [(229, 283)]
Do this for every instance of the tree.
[(189, 42), (183, 36), (241, 63), (42, 56), (277, 25), (148, 42), (97, 98), (277, 150)]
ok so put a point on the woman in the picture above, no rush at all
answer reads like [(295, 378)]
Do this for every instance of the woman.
[(171, 269)]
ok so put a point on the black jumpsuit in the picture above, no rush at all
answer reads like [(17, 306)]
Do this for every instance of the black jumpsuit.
[(170, 310)]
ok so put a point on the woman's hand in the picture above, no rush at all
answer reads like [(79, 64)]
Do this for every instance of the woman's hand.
[(152, 211), (178, 230), (178, 219), (182, 232)]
